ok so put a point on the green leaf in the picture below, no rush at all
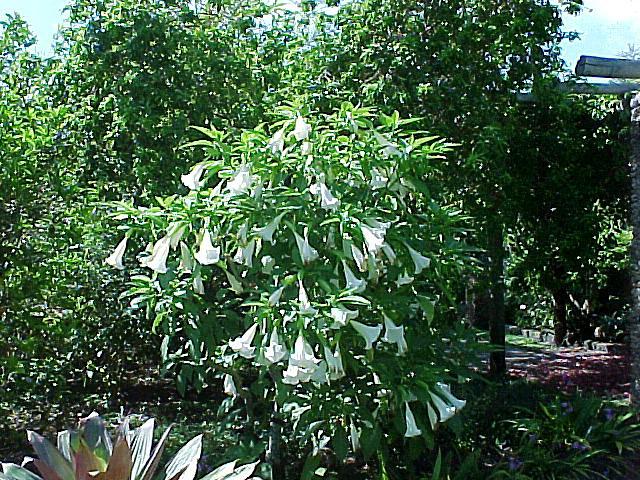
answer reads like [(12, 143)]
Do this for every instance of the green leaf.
[(428, 306), (340, 443)]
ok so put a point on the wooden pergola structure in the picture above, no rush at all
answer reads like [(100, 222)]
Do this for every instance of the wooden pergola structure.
[(601, 67)]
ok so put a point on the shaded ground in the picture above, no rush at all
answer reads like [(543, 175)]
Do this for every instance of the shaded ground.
[(570, 369)]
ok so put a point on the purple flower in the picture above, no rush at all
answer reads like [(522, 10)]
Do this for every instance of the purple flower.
[(515, 463), (581, 447), (609, 414), (566, 406)]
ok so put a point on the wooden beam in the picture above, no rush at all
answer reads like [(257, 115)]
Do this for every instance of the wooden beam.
[(607, 67), (587, 88)]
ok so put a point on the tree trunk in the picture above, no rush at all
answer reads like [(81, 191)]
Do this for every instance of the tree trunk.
[(560, 301), (497, 360), (634, 317)]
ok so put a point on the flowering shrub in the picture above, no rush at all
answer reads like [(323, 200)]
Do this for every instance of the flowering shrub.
[(307, 266)]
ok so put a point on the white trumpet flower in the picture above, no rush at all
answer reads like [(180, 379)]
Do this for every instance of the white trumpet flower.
[(207, 254), (374, 234), (394, 334), (176, 230), (192, 179), (433, 417), (404, 279), (186, 260), (276, 351), (307, 252), (327, 200), (302, 355), (445, 411), (388, 148), (244, 255), (342, 315), (268, 262), (420, 261), (302, 129), (412, 427), (274, 298), (445, 390), (389, 252), (266, 233), (157, 261), (370, 334), (115, 259), (230, 386), (198, 286), (236, 286), (242, 344), (276, 143), (353, 283), (358, 256), (319, 374), (241, 182), (294, 375), (305, 307), (306, 148), (334, 362)]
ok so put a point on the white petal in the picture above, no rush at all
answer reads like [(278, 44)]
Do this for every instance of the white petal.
[(302, 129), (370, 334), (242, 345), (358, 256), (394, 334), (404, 279), (302, 355), (268, 262), (230, 386), (305, 307), (244, 255), (412, 428), (276, 351), (353, 283), (266, 233), (186, 260), (342, 315), (444, 411), (115, 259), (198, 286), (373, 238), (307, 252), (274, 298), (445, 390), (389, 252), (207, 254), (157, 260), (420, 261), (276, 144), (241, 182), (192, 179)]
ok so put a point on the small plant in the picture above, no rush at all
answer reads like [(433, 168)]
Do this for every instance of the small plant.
[(90, 452)]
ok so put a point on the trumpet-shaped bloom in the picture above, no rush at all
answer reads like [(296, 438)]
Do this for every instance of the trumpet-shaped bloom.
[(302, 355), (302, 129), (198, 286), (394, 334), (236, 286), (373, 238), (242, 345), (334, 362), (327, 200), (266, 233), (176, 231), (157, 261), (230, 386), (445, 411), (388, 148), (445, 390), (307, 252), (305, 307), (420, 261), (433, 417), (207, 254), (192, 179), (244, 255), (268, 262), (342, 315), (294, 375), (241, 182), (370, 334), (319, 374), (404, 279), (276, 351), (306, 148), (358, 256), (353, 283), (389, 252), (412, 427), (274, 298), (276, 143), (186, 260), (115, 259)]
